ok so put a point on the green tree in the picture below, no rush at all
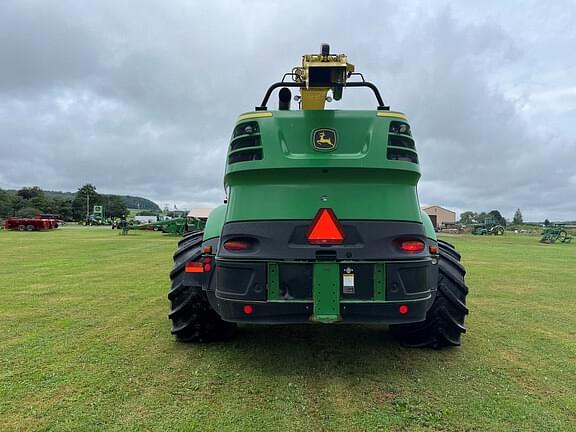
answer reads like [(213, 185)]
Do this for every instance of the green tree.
[(17, 203), (114, 206), (517, 220), (28, 193), (5, 205), (64, 209), (84, 201), (28, 212), (546, 222), (497, 217), (468, 217)]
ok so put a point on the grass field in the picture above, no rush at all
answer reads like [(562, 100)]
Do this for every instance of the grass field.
[(86, 345)]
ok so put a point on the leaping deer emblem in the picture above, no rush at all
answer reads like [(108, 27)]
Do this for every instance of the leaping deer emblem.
[(325, 140)]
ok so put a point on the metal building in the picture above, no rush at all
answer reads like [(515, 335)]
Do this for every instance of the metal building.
[(440, 216)]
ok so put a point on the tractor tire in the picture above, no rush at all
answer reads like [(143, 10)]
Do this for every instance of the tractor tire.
[(186, 235), (21, 227), (444, 322), (450, 249), (29, 227), (499, 231), (193, 319)]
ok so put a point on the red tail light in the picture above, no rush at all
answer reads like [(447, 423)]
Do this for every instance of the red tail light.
[(237, 245), (194, 267), (412, 245), (325, 228)]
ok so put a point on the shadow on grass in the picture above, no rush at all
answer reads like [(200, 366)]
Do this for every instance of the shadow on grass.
[(335, 350)]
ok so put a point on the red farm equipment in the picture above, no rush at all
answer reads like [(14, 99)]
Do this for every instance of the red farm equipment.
[(30, 224)]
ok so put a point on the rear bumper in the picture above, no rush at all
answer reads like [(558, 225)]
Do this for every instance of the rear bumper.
[(295, 292), (303, 312)]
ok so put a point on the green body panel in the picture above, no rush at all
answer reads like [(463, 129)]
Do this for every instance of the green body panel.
[(215, 222), (326, 292), (428, 226), (293, 180)]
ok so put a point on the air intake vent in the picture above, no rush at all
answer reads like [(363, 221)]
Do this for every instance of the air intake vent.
[(399, 154), (245, 141), (245, 155), (400, 141), (246, 144), (246, 128), (400, 128)]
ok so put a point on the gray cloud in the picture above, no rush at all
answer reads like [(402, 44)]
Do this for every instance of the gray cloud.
[(140, 97)]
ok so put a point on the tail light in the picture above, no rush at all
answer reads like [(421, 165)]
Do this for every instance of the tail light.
[(194, 267), (240, 244), (207, 263), (412, 246)]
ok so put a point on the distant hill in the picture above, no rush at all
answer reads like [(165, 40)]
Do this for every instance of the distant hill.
[(140, 203), (130, 201)]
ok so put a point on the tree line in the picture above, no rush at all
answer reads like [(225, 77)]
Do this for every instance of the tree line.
[(30, 201), (470, 218)]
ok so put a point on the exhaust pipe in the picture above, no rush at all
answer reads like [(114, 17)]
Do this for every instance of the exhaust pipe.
[(284, 98)]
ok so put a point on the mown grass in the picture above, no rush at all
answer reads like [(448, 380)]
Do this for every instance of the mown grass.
[(86, 346)]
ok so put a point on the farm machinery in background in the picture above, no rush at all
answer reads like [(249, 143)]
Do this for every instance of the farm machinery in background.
[(489, 227), (322, 223), (555, 233), (41, 222), (177, 226), (194, 221)]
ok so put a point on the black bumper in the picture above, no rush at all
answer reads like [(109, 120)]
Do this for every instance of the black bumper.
[(302, 312), (233, 285)]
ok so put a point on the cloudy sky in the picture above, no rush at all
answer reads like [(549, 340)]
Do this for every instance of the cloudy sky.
[(139, 97)]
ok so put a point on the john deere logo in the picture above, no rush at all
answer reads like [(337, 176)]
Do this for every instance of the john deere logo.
[(324, 139)]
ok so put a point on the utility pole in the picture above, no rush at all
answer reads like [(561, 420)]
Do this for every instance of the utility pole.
[(87, 206)]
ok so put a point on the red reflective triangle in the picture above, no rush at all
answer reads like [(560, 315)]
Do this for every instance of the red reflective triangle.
[(325, 228)]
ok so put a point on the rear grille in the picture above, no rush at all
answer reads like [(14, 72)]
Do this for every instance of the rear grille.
[(245, 155), (398, 127), (400, 141), (399, 154), (246, 128), (246, 144), (245, 141)]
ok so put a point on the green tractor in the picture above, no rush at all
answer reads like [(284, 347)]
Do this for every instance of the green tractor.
[(489, 227), (555, 233), (321, 224)]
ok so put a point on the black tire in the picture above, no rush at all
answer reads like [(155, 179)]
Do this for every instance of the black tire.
[(449, 248), (21, 227), (186, 235), (193, 319), (444, 324)]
